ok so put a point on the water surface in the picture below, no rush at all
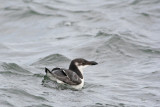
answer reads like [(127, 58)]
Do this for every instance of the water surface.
[(121, 35)]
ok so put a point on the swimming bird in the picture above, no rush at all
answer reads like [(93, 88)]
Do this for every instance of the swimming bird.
[(72, 76)]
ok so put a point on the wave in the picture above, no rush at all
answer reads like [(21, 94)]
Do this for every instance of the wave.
[(12, 68), (43, 9), (152, 76), (107, 105), (3, 47), (40, 105), (20, 92), (52, 60), (6, 104), (125, 44), (31, 9)]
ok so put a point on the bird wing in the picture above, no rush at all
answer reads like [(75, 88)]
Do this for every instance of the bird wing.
[(67, 76), (72, 76)]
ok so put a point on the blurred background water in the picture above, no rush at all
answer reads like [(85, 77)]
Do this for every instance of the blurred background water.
[(121, 35)]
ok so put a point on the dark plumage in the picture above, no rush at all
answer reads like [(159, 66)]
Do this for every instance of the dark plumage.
[(72, 76)]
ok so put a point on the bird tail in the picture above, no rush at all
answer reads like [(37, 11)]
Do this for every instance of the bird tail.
[(47, 70)]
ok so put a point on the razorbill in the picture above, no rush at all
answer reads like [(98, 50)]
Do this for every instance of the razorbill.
[(72, 76)]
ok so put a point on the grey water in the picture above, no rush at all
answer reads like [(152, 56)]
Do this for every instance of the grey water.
[(123, 36)]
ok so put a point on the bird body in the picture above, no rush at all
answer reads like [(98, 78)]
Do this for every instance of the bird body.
[(72, 76)]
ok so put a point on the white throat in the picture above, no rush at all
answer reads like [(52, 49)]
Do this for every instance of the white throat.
[(81, 68)]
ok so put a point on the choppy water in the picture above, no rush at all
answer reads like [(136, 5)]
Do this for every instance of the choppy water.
[(121, 35)]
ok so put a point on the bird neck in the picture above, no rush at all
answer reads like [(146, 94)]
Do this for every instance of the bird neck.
[(77, 70)]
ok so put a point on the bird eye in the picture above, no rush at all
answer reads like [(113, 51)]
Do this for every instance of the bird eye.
[(83, 63)]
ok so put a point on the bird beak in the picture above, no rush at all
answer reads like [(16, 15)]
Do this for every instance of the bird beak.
[(92, 63)]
